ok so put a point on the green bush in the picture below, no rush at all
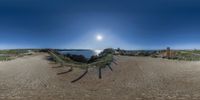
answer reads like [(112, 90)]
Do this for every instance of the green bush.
[(4, 58)]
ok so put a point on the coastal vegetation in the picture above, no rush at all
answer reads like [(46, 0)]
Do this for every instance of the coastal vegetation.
[(4, 58), (188, 55), (6, 55)]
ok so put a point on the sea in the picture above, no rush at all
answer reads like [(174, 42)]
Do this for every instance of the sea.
[(86, 53)]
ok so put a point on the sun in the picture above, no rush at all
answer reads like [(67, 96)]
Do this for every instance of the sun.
[(99, 37)]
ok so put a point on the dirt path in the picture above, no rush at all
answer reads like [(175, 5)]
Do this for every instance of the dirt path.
[(134, 78)]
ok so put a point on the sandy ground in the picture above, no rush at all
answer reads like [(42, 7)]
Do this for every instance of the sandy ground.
[(134, 78)]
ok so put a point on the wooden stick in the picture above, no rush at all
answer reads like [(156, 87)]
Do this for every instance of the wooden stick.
[(65, 71), (115, 63), (80, 76), (57, 66), (110, 67), (99, 72)]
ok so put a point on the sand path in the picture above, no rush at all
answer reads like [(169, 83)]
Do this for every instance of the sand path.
[(134, 78)]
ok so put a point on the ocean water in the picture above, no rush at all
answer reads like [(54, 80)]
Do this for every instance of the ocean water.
[(86, 53)]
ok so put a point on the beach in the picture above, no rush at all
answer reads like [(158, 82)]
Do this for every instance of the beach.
[(133, 78)]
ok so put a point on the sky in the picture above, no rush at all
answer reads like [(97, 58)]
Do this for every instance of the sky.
[(75, 24)]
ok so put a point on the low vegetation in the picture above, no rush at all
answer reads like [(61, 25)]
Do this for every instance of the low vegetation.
[(13, 51), (4, 58), (6, 55), (188, 55)]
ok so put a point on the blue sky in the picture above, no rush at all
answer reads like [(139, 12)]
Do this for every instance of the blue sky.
[(128, 24)]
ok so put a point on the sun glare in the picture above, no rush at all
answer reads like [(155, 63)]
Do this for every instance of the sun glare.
[(99, 37)]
